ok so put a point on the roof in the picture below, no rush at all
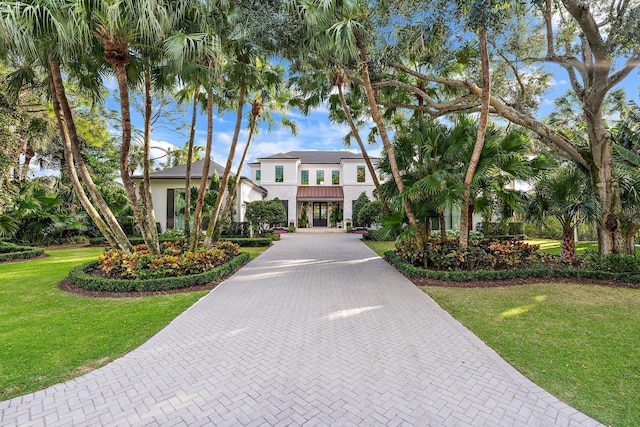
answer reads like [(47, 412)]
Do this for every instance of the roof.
[(315, 157), (324, 192), (180, 172)]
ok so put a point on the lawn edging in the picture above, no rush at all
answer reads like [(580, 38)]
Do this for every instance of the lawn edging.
[(13, 252), (81, 278), (631, 280)]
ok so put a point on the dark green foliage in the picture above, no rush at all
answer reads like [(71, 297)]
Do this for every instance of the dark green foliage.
[(10, 252), (250, 242), (612, 262), (235, 229), (370, 213), (360, 202), (266, 214), (81, 277)]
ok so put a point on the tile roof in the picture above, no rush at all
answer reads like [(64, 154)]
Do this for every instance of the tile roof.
[(315, 157), (324, 192), (179, 172)]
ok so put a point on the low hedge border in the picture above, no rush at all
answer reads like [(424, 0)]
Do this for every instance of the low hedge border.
[(11, 252), (242, 242), (469, 276), (79, 275)]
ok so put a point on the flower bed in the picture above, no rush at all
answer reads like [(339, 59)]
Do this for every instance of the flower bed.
[(12, 252)]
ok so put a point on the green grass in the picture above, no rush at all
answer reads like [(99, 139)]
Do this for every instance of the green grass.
[(579, 342), (48, 336), (380, 247)]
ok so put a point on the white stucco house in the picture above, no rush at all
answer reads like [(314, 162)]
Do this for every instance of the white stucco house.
[(167, 192), (314, 184)]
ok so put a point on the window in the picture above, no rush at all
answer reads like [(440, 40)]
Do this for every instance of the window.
[(360, 174), (258, 175), (304, 177), (279, 173), (319, 177), (335, 177)]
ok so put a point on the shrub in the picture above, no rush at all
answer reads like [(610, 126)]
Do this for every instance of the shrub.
[(250, 242), (236, 229), (175, 260), (485, 254), (265, 214), (611, 262), (81, 277), (370, 213), (10, 252)]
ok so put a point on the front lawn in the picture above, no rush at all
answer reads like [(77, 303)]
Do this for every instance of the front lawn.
[(49, 336)]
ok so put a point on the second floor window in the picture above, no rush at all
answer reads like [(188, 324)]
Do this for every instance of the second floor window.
[(360, 174), (258, 175), (319, 177), (304, 177), (279, 173), (335, 177)]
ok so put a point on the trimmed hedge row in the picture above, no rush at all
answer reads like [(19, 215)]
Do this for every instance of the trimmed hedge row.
[(551, 271), (10, 252), (242, 242), (79, 275)]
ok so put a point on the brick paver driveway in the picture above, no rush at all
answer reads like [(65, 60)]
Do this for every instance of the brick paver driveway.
[(316, 331)]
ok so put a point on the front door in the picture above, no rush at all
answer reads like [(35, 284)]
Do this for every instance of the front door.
[(319, 214)]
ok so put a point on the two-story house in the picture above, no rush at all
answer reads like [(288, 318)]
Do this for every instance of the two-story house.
[(317, 188)]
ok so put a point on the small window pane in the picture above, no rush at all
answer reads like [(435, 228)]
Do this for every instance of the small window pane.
[(279, 173), (360, 175), (258, 175), (319, 177), (304, 178), (335, 177)]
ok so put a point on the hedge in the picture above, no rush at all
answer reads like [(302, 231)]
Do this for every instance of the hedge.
[(79, 275), (10, 252), (551, 271), (242, 242)]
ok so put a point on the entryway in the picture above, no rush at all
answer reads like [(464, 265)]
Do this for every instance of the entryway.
[(320, 214)]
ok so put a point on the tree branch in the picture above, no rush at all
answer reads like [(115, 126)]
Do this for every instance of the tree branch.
[(616, 78)]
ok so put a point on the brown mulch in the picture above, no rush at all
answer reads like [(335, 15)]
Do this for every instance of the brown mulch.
[(68, 286), (421, 281)]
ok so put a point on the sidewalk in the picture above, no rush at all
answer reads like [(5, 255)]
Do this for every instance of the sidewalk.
[(318, 330)]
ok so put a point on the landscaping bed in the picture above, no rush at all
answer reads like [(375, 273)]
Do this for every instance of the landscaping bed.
[(12, 252)]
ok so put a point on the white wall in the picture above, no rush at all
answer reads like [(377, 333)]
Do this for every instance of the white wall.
[(268, 174), (247, 194), (350, 171), (351, 193), (313, 168)]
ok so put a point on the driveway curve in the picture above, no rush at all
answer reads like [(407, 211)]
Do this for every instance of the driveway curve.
[(318, 330)]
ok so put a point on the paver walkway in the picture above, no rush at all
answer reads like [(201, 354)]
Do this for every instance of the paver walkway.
[(316, 331)]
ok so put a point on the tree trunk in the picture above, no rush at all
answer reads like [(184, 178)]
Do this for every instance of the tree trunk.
[(145, 190), (605, 182), (222, 191), (568, 248), (363, 150), (382, 131), (256, 112), (120, 68), (197, 213), (443, 227), (477, 149), (57, 92), (70, 130), (187, 180), (29, 154)]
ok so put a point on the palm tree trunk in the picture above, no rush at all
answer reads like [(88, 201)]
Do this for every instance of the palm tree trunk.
[(443, 227), (477, 149), (214, 219), (256, 112), (57, 93), (197, 213), (386, 142), (29, 154), (363, 150), (70, 129), (145, 190), (568, 248), (121, 74), (187, 180)]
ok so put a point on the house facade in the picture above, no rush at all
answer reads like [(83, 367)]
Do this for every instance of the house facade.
[(317, 188), (167, 192)]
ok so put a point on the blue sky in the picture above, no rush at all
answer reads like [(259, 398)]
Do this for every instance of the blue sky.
[(315, 131)]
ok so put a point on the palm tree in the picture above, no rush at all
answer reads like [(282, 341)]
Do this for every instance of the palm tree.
[(566, 193)]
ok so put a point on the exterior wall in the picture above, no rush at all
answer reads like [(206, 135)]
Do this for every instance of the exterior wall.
[(247, 194), (268, 171), (350, 171), (313, 168)]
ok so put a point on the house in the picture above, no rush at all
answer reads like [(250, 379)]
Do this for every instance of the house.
[(317, 188), (167, 192)]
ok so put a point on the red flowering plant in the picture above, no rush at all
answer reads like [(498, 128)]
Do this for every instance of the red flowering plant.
[(175, 260)]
